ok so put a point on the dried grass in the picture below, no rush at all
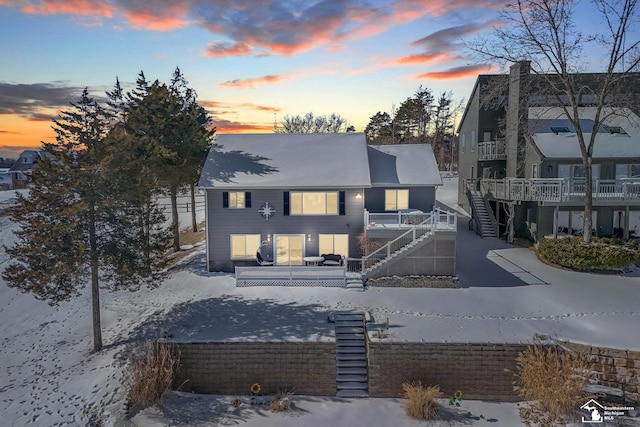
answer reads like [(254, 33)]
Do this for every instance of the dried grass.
[(368, 246), (152, 376), (553, 380), (422, 400), (281, 401)]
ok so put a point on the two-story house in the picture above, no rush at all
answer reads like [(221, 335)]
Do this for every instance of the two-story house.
[(520, 163), (294, 196), (22, 167)]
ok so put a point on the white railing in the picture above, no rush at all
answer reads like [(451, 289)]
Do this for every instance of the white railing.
[(436, 220), (397, 219), (559, 190), (492, 150), (291, 276)]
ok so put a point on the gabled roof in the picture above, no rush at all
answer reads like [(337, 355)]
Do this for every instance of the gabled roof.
[(20, 165), (544, 124), (323, 160), (403, 165)]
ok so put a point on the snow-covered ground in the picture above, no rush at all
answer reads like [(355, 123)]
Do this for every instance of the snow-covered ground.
[(48, 377)]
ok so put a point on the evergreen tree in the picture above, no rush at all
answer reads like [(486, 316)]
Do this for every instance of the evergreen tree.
[(379, 130), (75, 225)]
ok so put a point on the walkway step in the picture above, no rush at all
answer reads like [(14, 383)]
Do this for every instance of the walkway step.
[(352, 386), (344, 378), (350, 323), (348, 316), (351, 371), (350, 343), (344, 350), (358, 363), (349, 336), (352, 393)]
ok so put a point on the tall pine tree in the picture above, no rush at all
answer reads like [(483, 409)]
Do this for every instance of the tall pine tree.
[(75, 225)]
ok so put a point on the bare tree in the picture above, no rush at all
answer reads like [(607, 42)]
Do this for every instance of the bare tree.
[(545, 33), (310, 123)]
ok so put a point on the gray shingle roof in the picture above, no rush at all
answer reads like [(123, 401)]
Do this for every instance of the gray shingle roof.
[(403, 165), (287, 161)]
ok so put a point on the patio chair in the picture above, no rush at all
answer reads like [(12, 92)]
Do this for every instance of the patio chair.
[(332, 259), (261, 261)]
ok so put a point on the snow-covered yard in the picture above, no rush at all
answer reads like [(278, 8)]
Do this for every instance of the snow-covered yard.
[(48, 377)]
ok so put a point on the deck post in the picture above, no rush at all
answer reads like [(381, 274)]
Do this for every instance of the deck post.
[(556, 213), (625, 232)]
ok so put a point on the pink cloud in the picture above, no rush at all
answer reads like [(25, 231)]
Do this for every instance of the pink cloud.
[(170, 18), (71, 7), (458, 72), (417, 59), (221, 49), (251, 83)]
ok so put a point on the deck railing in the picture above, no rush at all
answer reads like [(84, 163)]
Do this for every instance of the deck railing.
[(291, 276), (436, 220), (492, 150), (396, 219), (558, 190)]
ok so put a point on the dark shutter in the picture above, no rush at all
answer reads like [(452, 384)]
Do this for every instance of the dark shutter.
[(247, 199), (285, 210), (341, 205), (225, 199)]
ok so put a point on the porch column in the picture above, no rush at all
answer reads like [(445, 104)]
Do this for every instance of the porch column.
[(556, 212), (625, 231)]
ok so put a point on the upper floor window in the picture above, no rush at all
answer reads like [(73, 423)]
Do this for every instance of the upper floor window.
[(473, 140), (462, 142), (27, 159), (313, 203), (627, 171), (236, 199), (395, 200), (616, 129), (576, 172)]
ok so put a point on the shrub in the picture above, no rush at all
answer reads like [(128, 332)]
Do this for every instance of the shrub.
[(422, 404), (152, 376), (553, 380), (281, 401), (367, 245), (600, 254)]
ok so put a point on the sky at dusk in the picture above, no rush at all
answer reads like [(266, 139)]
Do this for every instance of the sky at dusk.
[(250, 61)]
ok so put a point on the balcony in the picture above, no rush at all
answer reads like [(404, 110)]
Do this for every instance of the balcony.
[(492, 150), (557, 190)]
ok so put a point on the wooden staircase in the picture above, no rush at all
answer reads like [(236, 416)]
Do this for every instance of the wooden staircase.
[(482, 214), (351, 355)]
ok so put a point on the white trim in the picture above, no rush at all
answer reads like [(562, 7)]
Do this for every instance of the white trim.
[(206, 225)]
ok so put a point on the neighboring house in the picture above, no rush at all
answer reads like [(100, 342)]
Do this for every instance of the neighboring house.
[(520, 164), (22, 167), (5, 179), (301, 195)]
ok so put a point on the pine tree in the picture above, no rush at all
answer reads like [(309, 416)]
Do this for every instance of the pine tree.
[(75, 224)]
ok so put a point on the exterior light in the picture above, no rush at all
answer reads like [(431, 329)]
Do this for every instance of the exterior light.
[(309, 237), (268, 237), (358, 196)]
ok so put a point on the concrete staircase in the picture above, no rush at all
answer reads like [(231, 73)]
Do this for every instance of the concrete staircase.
[(482, 214), (351, 355), (354, 282)]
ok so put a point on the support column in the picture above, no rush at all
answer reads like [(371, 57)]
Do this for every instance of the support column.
[(625, 232), (556, 213)]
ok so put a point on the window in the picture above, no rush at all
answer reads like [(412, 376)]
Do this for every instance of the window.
[(534, 170), (462, 142), (615, 129), (473, 140), (627, 171), (334, 244), (236, 199), (244, 246), (395, 200), (21, 176), (559, 129), (314, 202)]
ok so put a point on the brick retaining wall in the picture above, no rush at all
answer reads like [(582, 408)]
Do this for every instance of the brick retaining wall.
[(481, 371), (231, 368), (476, 369)]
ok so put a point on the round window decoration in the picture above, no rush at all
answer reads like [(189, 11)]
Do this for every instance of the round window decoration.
[(267, 210)]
